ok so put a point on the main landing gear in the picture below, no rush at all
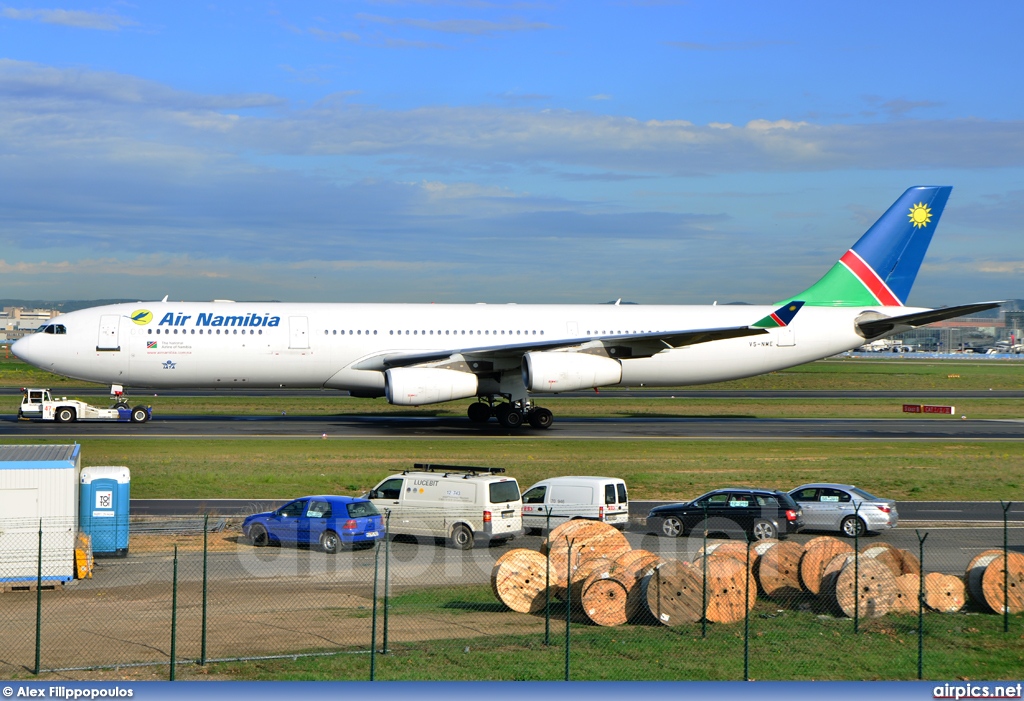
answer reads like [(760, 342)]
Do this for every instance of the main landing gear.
[(510, 414)]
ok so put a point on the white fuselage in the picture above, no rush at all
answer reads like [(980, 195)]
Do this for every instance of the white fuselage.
[(229, 344)]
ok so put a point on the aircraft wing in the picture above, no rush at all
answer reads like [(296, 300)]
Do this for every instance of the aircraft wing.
[(638, 345), (876, 326)]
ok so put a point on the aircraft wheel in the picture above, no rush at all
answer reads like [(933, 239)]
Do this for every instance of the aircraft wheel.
[(509, 417), (479, 412), (541, 418)]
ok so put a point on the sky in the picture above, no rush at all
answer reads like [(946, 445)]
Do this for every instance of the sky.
[(472, 151)]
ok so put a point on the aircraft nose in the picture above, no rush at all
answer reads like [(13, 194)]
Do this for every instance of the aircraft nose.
[(23, 349)]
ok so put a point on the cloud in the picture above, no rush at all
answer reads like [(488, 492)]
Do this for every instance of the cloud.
[(71, 18)]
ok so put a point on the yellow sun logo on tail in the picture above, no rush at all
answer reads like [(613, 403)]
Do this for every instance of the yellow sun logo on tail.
[(920, 215)]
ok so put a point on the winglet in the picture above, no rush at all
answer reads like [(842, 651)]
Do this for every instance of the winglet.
[(782, 316)]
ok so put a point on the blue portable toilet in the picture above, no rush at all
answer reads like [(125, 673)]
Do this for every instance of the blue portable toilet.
[(103, 509)]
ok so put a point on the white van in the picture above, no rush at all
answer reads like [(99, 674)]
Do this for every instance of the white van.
[(566, 498), (460, 504)]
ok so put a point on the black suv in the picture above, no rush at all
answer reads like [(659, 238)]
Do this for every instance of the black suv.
[(755, 513)]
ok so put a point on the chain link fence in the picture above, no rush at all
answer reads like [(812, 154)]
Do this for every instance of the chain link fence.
[(583, 601)]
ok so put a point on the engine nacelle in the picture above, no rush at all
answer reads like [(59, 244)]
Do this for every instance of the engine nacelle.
[(416, 386), (565, 372)]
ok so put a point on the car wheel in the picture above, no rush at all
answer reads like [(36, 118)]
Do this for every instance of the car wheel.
[(330, 543), (764, 529), (258, 536), (139, 415), (64, 415), (462, 537), (853, 526), (672, 527)]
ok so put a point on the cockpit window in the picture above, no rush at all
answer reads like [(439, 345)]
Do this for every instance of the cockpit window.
[(53, 328)]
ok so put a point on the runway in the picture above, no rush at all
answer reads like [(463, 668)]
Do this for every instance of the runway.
[(624, 428)]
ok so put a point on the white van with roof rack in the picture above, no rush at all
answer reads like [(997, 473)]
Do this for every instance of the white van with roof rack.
[(567, 498), (458, 503)]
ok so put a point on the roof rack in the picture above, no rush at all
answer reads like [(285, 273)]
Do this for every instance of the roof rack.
[(427, 467)]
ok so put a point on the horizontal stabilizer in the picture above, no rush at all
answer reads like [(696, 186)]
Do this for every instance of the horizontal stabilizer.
[(881, 325)]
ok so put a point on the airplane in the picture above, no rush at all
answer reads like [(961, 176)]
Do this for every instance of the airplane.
[(504, 354)]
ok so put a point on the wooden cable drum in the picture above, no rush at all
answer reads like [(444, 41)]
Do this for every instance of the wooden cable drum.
[(886, 554), (909, 564), (604, 599), (633, 565), (992, 583), (728, 548), (519, 580), (496, 568), (778, 570), (559, 533), (907, 588), (830, 574), (675, 592), (729, 585), (943, 592), (602, 566), (630, 568), (818, 552), (976, 570), (716, 543), (867, 589), (589, 539)]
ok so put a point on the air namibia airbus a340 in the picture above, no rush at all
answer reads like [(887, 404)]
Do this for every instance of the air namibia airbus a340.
[(416, 354)]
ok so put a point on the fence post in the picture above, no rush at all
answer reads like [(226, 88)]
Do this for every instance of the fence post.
[(746, 620), (174, 614), (704, 579), (206, 532), (39, 599), (568, 603), (387, 564), (373, 624), (1006, 566), (856, 568), (920, 605), (547, 585)]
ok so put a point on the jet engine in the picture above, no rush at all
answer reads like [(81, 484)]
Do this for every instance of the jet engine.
[(416, 386), (565, 372)]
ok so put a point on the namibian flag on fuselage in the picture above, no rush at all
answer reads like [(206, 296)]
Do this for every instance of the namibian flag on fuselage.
[(880, 268)]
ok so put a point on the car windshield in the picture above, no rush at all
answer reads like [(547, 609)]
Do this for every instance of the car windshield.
[(357, 509), (864, 495), (504, 491)]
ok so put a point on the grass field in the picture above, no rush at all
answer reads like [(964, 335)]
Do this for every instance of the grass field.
[(663, 469)]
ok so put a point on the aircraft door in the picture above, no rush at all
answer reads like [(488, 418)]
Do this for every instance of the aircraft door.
[(786, 337), (108, 340), (298, 332)]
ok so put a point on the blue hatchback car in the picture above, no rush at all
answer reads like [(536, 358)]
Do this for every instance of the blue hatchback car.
[(328, 521)]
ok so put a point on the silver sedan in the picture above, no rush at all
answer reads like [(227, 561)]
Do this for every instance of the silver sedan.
[(844, 508)]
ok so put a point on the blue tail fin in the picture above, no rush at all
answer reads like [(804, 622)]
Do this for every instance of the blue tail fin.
[(880, 268)]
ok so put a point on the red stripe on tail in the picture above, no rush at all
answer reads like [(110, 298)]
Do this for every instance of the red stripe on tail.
[(870, 279)]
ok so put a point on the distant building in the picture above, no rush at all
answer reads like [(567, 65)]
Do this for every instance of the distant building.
[(16, 322)]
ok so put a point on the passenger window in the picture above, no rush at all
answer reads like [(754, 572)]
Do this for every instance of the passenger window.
[(766, 501), (834, 496), (806, 494), (391, 489), (292, 510), (319, 509), (609, 494), (621, 488), (739, 501), (535, 495)]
